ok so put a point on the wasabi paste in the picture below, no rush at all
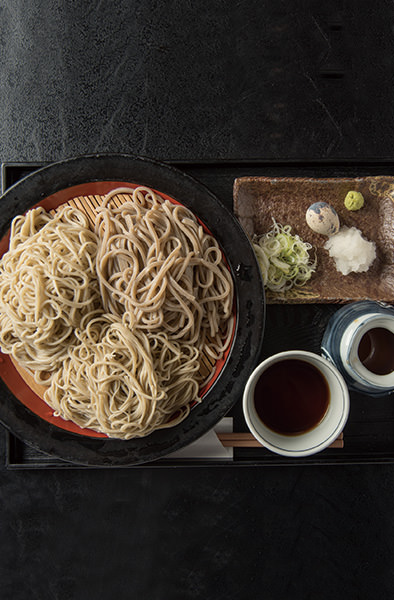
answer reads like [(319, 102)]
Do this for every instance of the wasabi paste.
[(354, 200)]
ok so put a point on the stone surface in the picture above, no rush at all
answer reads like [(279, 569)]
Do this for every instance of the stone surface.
[(201, 81)]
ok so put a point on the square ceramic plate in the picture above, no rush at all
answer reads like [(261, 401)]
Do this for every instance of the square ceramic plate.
[(257, 200)]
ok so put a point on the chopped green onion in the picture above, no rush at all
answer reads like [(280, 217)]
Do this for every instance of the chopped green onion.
[(283, 258)]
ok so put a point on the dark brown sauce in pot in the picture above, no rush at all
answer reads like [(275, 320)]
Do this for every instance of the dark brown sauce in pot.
[(376, 351), (291, 397)]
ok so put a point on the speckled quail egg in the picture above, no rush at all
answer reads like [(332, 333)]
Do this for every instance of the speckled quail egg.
[(322, 218)]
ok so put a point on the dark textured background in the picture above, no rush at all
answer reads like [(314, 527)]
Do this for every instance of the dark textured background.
[(199, 81)]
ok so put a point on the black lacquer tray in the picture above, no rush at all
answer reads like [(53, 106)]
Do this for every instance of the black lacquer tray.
[(369, 433)]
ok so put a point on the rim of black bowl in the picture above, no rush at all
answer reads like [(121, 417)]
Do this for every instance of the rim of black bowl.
[(250, 310)]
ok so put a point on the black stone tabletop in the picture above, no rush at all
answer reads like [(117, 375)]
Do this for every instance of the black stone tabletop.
[(225, 85)]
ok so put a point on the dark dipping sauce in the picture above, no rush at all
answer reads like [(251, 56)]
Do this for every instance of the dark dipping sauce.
[(291, 397), (376, 351)]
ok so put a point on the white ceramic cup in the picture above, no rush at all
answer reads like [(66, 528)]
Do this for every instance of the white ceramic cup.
[(315, 439)]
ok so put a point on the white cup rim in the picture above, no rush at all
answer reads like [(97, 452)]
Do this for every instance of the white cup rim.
[(321, 436)]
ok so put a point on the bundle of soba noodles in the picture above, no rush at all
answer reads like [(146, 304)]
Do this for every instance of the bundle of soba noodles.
[(124, 383), (117, 322), (156, 263), (48, 283)]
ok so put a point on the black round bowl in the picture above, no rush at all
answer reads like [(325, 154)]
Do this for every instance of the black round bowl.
[(249, 297)]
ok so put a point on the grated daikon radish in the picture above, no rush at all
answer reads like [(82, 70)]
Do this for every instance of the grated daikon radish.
[(351, 252)]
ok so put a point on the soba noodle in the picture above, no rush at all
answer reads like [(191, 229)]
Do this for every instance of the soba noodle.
[(119, 322), (156, 263), (48, 284), (124, 383)]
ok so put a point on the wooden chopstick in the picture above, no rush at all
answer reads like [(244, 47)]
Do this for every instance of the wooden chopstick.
[(246, 440)]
